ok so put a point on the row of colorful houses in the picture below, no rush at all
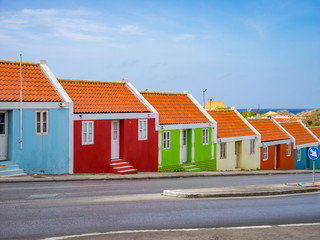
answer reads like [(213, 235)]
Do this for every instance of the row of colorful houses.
[(58, 126)]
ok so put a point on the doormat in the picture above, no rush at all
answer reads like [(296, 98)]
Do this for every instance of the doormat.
[(307, 185)]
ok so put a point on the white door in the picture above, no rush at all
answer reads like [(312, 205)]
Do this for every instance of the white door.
[(236, 152), (114, 140), (185, 146), (3, 135)]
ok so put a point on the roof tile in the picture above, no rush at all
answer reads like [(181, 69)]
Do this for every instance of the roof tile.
[(175, 108), (102, 97), (315, 131), (299, 132), (36, 87), (230, 124), (269, 130)]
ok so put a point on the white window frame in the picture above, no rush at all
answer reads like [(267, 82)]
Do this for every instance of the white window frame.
[(42, 123), (166, 140), (252, 146), (298, 155), (85, 133), (288, 149), (205, 136), (223, 150), (265, 153), (143, 129)]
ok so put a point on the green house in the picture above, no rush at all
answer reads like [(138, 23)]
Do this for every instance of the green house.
[(187, 133)]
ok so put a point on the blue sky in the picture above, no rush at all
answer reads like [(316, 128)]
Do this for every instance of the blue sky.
[(244, 52)]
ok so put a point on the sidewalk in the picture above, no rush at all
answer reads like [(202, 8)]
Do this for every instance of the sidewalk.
[(143, 175), (244, 191)]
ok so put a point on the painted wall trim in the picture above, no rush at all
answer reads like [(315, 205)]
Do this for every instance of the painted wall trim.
[(192, 145), (307, 145), (33, 105), (272, 143), (234, 139), (185, 126), (54, 81), (286, 132), (310, 131), (159, 148), (208, 116), (248, 124), (143, 100), (102, 116), (181, 145)]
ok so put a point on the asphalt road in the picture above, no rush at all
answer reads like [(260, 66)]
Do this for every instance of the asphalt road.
[(38, 210)]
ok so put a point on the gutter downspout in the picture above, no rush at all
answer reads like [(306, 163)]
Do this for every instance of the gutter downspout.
[(20, 141)]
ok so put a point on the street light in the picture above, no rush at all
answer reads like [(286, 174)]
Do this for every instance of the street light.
[(204, 99)]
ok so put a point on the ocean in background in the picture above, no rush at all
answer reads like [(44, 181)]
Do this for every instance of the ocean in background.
[(290, 110)]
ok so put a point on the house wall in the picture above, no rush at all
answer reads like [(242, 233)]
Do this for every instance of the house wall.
[(228, 163), (302, 164), (202, 152), (95, 158), (286, 162), (40, 154), (248, 160), (171, 156), (142, 154)]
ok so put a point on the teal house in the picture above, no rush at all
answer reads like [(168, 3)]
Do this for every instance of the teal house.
[(187, 133), (304, 139), (34, 121)]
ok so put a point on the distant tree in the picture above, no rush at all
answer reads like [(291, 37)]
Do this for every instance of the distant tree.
[(248, 113), (285, 113), (312, 117)]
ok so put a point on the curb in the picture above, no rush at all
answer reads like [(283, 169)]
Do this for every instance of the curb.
[(155, 175), (271, 192)]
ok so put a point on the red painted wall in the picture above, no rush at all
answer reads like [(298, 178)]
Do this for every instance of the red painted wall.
[(92, 158), (95, 158), (284, 162)]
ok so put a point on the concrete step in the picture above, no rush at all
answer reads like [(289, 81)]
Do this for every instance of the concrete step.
[(121, 167), (128, 171), (7, 173)]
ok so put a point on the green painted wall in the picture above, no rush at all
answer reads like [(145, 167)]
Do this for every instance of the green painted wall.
[(201, 152), (171, 156)]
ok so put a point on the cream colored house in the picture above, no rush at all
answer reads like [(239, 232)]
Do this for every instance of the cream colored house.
[(238, 141)]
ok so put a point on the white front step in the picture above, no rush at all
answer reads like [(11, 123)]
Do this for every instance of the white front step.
[(130, 170)]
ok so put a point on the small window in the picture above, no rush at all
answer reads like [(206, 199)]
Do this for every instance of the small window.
[(298, 155), (252, 146), (42, 122), (205, 136), (166, 139), (2, 123), (288, 150), (143, 129), (265, 153), (87, 132), (223, 150)]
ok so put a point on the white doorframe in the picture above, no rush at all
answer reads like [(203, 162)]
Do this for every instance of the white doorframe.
[(184, 145), (3, 135), (115, 140)]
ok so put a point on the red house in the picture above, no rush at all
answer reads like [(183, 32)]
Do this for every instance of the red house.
[(114, 128), (277, 145)]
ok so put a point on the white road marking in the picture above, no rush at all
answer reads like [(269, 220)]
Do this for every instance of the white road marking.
[(180, 230), (35, 196)]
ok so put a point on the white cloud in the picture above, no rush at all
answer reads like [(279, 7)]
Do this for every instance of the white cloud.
[(69, 24)]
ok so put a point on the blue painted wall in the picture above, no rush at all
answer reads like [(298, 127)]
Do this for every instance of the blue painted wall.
[(306, 162), (41, 154)]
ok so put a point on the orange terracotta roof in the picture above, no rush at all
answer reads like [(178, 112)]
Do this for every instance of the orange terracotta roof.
[(268, 129), (230, 124), (102, 97), (210, 105), (299, 132), (36, 87), (315, 131), (175, 108)]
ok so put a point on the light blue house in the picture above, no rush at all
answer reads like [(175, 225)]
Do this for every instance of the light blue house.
[(304, 139), (34, 121)]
